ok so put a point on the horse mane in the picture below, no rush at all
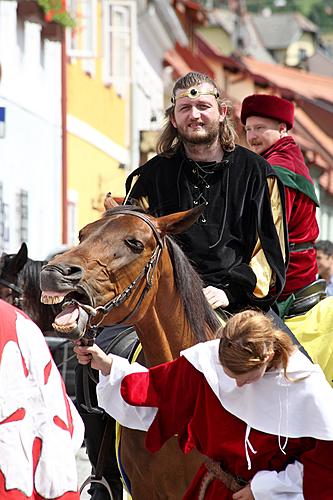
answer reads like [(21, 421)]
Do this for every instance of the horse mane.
[(189, 286), (188, 283)]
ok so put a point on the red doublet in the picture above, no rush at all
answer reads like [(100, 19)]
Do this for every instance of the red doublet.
[(188, 407), (300, 214)]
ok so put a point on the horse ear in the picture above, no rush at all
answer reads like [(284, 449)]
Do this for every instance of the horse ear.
[(20, 259), (178, 222), (109, 202)]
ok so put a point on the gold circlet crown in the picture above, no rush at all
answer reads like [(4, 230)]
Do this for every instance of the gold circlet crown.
[(194, 93)]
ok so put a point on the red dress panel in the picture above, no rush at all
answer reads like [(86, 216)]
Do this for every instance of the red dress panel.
[(188, 407), (300, 213)]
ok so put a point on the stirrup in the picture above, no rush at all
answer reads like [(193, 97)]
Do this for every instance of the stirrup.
[(92, 479)]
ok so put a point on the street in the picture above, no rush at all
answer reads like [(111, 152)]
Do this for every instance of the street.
[(83, 470)]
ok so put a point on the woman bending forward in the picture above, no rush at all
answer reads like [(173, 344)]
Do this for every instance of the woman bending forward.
[(258, 409)]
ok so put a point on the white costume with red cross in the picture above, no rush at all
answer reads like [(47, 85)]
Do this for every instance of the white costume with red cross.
[(40, 429)]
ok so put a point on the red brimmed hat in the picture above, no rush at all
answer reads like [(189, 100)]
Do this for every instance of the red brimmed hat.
[(269, 106)]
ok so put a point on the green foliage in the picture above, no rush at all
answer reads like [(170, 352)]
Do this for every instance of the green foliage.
[(55, 10)]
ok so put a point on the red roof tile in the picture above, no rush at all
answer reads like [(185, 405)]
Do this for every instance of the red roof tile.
[(195, 61), (172, 58), (295, 81), (183, 60)]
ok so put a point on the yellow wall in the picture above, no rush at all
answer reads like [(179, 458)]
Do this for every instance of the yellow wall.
[(91, 171), (91, 101), (91, 176), (217, 37), (306, 43)]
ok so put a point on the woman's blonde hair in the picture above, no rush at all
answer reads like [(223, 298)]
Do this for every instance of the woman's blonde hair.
[(248, 338), (169, 142)]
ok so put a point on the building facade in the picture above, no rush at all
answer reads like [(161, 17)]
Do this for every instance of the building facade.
[(30, 142)]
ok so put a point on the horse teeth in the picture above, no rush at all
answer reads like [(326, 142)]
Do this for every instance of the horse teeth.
[(51, 299), (64, 328)]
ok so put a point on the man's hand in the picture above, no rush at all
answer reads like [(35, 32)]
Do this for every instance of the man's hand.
[(94, 355), (244, 494), (216, 297)]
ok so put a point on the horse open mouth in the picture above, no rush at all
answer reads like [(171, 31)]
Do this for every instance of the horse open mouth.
[(72, 322)]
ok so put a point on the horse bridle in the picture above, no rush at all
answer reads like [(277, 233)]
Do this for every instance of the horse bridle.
[(147, 273), (16, 289)]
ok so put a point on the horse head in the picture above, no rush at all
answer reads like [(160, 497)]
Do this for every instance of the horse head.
[(10, 267), (112, 275)]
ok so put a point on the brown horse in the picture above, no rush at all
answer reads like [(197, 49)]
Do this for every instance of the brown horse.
[(126, 269)]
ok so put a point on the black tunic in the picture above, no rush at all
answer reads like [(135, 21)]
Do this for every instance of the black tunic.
[(237, 213)]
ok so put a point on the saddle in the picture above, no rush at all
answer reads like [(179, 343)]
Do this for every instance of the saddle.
[(306, 298)]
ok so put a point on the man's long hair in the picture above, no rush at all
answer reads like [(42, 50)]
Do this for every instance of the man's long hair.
[(169, 142)]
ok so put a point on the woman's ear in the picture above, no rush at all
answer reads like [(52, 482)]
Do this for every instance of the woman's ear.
[(269, 356)]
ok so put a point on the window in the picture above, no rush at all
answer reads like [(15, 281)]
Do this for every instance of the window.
[(119, 42), (22, 215), (72, 229), (4, 221), (302, 55), (81, 40)]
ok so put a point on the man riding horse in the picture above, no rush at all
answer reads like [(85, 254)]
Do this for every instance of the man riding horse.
[(267, 120)]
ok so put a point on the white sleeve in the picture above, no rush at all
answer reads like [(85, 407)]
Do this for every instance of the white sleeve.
[(110, 399), (284, 485)]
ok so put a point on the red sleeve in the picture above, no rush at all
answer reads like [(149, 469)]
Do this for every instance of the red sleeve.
[(318, 471), (172, 388), (290, 195)]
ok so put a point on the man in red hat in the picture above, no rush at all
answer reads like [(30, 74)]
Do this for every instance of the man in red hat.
[(267, 119)]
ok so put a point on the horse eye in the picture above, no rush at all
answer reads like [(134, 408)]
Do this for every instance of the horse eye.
[(135, 245)]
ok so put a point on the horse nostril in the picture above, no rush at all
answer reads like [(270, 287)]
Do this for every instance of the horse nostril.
[(51, 273), (73, 271), (64, 269)]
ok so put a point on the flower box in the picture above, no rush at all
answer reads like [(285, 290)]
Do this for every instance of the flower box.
[(52, 31), (28, 10)]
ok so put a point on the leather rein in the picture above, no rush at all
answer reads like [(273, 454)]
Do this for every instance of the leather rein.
[(17, 291)]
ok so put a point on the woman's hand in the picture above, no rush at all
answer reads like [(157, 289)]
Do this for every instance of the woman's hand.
[(94, 355), (216, 297), (244, 494)]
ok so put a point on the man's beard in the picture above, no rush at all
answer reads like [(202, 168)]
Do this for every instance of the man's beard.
[(206, 135)]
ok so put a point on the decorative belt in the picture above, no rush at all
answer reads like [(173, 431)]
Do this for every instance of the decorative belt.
[(300, 247), (215, 471)]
